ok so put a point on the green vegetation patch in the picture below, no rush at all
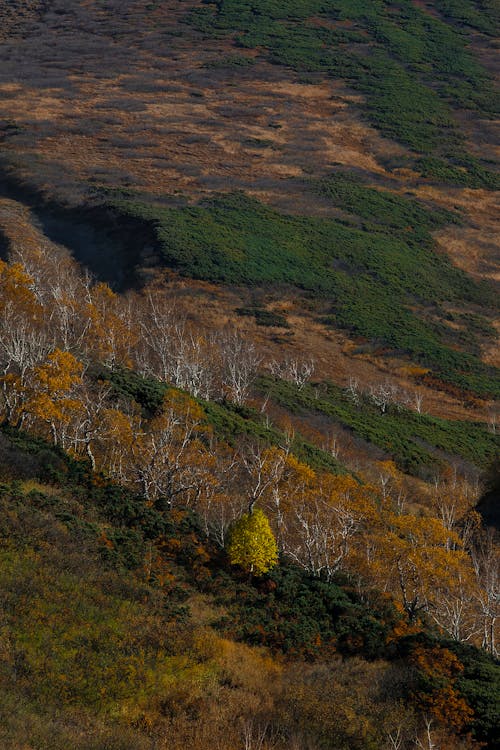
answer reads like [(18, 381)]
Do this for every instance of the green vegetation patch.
[(263, 317), (417, 442), (230, 422), (236, 62), (294, 613), (382, 211), (377, 269), (412, 67), (460, 170), (482, 15), (480, 686)]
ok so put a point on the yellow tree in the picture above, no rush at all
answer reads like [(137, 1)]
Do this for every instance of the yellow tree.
[(23, 340), (16, 286), (112, 331), (418, 559), (329, 524), (252, 545), (52, 399)]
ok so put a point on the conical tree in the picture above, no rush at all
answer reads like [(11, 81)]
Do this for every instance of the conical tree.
[(252, 544)]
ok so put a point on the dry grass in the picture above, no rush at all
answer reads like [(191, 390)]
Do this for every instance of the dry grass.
[(254, 125)]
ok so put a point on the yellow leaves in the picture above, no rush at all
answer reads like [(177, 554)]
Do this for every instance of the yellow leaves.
[(350, 499), (252, 544), (414, 371), (295, 471), (284, 474), (165, 456), (422, 561), (421, 531), (449, 708), (120, 428), (111, 329), (243, 666), (43, 407), (437, 662), (15, 287), (48, 393), (50, 389), (337, 489), (61, 371), (105, 541), (389, 474), (324, 522), (179, 408), (403, 628)]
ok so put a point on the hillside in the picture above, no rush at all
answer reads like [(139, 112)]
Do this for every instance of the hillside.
[(142, 115), (249, 374), (123, 627), (125, 473)]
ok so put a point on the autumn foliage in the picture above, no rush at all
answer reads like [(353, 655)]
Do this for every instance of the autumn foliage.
[(57, 326), (252, 545), (62, 340)]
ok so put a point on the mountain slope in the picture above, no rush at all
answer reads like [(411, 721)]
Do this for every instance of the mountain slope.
[(123, 627)]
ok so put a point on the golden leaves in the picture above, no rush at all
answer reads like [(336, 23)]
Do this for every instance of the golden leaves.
[(252, 544)]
